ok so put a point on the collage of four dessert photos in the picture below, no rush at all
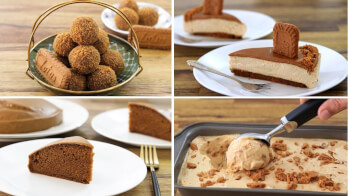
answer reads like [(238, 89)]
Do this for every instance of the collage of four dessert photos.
[(173, 97)]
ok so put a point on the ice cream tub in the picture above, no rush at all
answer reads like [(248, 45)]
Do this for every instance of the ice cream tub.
[(182, 144)]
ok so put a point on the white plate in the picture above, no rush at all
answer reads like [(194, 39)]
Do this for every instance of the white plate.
[(333, 70), (115, 170), (164, 18), (258, 25), (74, 116), (113, 124)]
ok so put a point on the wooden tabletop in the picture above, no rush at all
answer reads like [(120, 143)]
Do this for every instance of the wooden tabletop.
[(96, 106), (320, 22), (17, 18), (188, 111)]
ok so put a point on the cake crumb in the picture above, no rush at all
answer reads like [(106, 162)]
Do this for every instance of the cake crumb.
[(191, 165), (327, 183), (238, 177), (279, 147), (193, 146), (221, 180), (256, 185), (257, 175), (207, 183), (292, 186)]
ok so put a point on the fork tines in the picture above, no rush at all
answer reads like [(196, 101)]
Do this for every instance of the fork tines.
[(149, 155)]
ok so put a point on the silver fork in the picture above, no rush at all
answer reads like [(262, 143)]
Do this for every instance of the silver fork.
[(247, 86), (151, 160)]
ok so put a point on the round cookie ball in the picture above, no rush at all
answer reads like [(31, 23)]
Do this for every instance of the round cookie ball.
[(103, 77), (84, 31), (113, 59), (84, 59), (131, 15), (148, 16), (102, 44), (129, 4), (78, 82), (63, 44)]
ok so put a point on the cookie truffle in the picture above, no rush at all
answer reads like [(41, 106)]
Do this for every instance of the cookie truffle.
[(84, 31), (114, 60), (129, 4), (84, 59), (103, 77), (63, 44), (148, 16), (102, 44), (131, 15)]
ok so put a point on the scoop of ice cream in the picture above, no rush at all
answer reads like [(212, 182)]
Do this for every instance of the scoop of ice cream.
[(247, 154)]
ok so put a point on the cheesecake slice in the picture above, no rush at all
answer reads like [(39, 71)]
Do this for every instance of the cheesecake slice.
[(70, 158), (209, 20), (146, 120), (284, 63), (28, 115)]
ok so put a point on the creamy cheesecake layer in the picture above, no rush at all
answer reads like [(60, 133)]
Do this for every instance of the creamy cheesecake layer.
[(213, 25), (275, 69), (205, 165)]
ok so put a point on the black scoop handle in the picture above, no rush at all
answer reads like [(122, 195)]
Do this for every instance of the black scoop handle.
[(305, 112)]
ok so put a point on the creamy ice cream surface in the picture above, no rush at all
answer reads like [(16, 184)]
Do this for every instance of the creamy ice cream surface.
[(295, 163), (247, 154)]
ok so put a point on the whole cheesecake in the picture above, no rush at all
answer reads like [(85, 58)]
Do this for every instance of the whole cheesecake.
[(70, 158), (146, 120), (28, 115), (209, 20), (284, 63)]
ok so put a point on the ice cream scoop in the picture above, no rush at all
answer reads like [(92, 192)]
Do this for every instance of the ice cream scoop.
[(291, 121), (247, 154)]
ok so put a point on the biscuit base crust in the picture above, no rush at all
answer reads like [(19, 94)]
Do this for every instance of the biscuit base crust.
[(243, 73), (220, 35)]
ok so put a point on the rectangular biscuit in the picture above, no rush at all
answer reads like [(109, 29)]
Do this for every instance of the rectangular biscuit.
[(153, 38), (52, 70), (213, 7)]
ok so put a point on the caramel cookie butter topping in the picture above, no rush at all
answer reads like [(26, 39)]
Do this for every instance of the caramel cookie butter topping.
[(28, 115), (307, 59)]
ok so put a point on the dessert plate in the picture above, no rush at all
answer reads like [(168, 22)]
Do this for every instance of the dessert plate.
[(258, 25), (115, 170), (113, 124), (164, 18), (333, 70), (74, 116)]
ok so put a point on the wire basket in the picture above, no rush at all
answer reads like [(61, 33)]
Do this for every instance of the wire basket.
[(129, 51)]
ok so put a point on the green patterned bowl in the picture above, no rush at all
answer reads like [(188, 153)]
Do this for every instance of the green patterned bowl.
[(128, 52)]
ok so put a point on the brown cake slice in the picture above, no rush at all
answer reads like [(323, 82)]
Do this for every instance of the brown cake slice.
[(28, 115), (70, 158), (147, 120)]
